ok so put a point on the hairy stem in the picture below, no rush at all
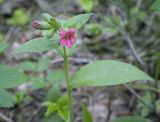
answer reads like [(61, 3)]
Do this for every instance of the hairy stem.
[(69, 90)]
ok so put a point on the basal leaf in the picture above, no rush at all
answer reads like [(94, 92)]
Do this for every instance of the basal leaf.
[(43, 64), (63, 101), (54, 117), (107, 72), (54, 93), (37, 82), (64, 114), (10, 77), (27, 66), (6, 99), (156, 5), (37, 45), (129, 119), (3, 46), (87, 116), (51, 108), (56, 76), (77, 21)]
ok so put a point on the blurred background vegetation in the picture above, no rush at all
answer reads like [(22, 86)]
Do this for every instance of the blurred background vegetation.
[(125, 30)]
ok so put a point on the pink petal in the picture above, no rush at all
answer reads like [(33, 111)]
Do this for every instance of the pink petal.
[(69, 44), (36, 24), (73, 39), (62, 33), (72, 31), (63, 42)]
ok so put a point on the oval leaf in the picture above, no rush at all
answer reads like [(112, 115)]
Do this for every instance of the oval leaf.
[(7, 99), (10, 77), (54, 117), (107, 72), (129, 119), (87, 115), (156, 5), (77, 21), (37, 45)]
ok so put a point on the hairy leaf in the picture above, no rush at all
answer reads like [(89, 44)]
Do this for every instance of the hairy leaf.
[(10, 77), (77, 21), (37, 45), (156, 5), (107, 72), (87, 116), (129, 119), (6, 99)]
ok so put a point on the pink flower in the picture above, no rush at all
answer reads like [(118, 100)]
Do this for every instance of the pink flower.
[(67, 38), (36, 24)]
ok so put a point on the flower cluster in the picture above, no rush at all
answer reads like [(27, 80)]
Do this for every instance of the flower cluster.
[(67, 37)]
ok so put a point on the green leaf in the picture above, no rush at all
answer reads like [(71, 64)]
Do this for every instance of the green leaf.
[(46, 17), (1, 2), (64, 114), (56, 76), (19, 97), (144, 111), (63, 102), (87, 4), (3, 43), (27, 66), (3, 46), (158, 105), (63, 110), (77, 21), (51, 108), (20, 17), (37, 45), (157, 69), (10, 77), (37, 82), (87, 116), (94, 29), (54, 117), (43, 64), (54, 94), (6, 99), (156, 5), (54, 24), (48, 33), (129, 119), (107, 72)]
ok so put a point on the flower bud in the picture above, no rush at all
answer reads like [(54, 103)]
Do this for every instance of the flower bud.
[(41, 25), (48, 33), (36, 24), (46, 17)]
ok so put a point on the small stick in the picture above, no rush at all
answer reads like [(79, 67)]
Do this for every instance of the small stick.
[(132, 47), (138, 96), (5, 118)]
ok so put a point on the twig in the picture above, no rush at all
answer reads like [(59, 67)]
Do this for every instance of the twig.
[(9, 33), (142, 63), (138, 96), (153, 108), (132, 47), (5, 118)]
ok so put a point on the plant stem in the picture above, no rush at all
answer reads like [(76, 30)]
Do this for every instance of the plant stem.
[(69, 90)]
